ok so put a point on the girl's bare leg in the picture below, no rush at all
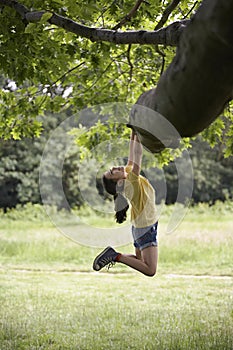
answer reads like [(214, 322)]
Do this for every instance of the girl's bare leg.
[(136, 256), (144, 261)]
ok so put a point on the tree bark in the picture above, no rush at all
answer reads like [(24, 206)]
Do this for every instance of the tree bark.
[(198, 84), (169, 35)]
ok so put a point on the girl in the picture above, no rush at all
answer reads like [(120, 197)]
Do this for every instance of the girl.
[(126, 182)]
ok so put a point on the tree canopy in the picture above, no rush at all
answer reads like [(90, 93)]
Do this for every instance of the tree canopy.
[(59, 55)]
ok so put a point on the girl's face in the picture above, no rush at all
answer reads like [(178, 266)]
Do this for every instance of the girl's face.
[(116, 173)]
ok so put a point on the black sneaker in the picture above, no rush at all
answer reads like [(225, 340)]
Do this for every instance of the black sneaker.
[(105, 258)]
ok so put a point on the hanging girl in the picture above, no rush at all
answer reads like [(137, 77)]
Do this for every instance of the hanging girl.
[(126, 184)]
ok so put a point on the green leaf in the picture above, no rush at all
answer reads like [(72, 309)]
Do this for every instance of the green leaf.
[(30, 28), (46, 16)]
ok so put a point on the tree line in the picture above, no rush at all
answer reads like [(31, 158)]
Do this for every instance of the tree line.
[(20, 163)]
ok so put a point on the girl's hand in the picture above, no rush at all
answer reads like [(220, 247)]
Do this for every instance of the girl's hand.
[(137, 148), (136, 138)]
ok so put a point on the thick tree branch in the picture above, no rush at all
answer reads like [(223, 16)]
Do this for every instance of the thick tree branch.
[(129, 15), (167, 36), (198, 84)]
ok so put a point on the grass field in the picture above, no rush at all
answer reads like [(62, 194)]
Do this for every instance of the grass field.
[(51, 298)]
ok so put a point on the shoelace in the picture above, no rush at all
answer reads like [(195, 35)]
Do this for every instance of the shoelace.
[(111, 264), (107, 262)]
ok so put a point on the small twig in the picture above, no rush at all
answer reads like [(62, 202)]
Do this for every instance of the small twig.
[(130, 65), (171, 7), (107, 84), (163, 55), (68, 72), (129, 15), (43, 101), (100, 76), (192, 8), (103, 12), (129, 62), (60, 78)]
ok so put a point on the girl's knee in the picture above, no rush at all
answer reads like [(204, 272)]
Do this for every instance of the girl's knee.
[(151, 272)]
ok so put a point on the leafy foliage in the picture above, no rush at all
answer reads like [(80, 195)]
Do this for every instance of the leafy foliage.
[(47, 69)]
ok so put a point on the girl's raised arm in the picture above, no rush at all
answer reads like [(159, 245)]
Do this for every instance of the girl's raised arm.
[(131, 148), (137, 156)]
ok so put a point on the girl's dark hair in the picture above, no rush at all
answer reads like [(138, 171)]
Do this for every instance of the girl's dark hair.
[(121, 203)]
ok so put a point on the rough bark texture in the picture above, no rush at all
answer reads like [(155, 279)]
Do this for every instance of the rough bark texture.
[(197, 85)]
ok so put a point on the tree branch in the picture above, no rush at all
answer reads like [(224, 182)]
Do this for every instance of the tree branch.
[(167, 13), (163, 55), (129, 15), (68, 72), (166, 36), (192, 8), (198, 84)]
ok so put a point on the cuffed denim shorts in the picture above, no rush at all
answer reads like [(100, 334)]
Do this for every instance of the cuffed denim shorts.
[(147, 239)]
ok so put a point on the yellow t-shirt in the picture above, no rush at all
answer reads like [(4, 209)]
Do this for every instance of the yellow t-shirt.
[(141, 195)]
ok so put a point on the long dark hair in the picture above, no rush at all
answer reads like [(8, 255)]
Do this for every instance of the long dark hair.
[(121, 203)]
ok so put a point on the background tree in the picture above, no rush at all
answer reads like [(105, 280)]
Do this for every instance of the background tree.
[(20, 162), (212, 174)]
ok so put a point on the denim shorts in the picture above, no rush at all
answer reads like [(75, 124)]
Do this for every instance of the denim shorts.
[(148, 239)]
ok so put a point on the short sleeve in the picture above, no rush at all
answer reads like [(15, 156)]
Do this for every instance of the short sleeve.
[(128, 168)]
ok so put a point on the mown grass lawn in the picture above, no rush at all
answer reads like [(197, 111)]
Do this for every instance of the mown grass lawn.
[(48, 310), (51, 299)]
